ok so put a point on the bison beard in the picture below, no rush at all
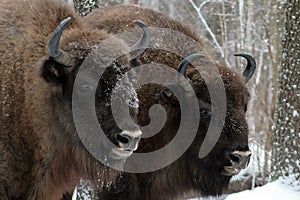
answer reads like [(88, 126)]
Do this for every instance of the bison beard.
[(41, 155)]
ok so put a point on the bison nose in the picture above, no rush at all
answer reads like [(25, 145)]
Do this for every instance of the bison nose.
[(128, 140), (240, 159)]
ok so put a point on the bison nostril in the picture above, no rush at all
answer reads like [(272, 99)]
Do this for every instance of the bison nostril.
[(239, 159), (234, 158), (128, 140), (123, 138)]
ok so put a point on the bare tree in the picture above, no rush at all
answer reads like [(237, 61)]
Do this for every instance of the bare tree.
[(84, 7), (286, 141)]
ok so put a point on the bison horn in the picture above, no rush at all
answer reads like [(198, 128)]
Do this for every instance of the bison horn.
[(251, 66), (143, 42), (57, 54), (182, 67)]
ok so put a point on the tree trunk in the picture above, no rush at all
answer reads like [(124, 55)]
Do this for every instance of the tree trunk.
[(84, 7), (286, 140)]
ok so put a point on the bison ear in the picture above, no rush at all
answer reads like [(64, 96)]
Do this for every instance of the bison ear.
[(169, 97), (53, 72)]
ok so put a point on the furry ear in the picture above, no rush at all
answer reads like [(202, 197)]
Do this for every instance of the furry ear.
[(169, 97), (53, 72)]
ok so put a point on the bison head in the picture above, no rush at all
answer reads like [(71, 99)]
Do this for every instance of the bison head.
[(60, 70), (210, 174)]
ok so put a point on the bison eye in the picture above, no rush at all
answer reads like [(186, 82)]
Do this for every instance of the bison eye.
[(203, 112), (245, 108), (86, 86)]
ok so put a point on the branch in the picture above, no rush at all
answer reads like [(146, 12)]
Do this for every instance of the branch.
[(241, 12), (198, 10)]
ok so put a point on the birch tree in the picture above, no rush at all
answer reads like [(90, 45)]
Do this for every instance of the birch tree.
[(84, 7), (286, 141)]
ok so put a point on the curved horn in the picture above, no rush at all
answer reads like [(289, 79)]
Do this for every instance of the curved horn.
[(182, 67), (57, 54), (143, 42), (251, 66)]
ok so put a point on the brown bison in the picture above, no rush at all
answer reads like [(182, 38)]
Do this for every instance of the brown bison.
[(208, 175), (41, 155)]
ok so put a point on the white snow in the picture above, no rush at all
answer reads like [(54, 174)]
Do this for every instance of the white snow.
[(74, 196), (270, 191), (295, 113)]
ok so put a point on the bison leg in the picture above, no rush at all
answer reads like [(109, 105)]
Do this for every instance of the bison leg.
[(3, 195)]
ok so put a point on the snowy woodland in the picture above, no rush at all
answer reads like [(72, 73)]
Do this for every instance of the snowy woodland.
[(270, 32)]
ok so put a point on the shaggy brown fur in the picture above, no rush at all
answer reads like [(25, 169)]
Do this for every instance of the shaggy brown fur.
[(41, 156), (119, 19), (189, 173)]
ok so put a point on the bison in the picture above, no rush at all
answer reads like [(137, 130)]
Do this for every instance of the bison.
[(205, 176), (41, 155)]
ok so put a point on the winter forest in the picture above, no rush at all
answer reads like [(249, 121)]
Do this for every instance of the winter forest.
[(270, 31), (150, 99)]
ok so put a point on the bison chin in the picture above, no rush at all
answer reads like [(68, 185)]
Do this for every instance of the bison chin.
[(210, 176), (207, 179)]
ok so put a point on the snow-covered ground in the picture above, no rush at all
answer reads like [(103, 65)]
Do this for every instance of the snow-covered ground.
[(271, 191)]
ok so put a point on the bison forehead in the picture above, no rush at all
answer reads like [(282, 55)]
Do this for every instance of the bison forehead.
[(232, 78), (233, 81), (125, 90)]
